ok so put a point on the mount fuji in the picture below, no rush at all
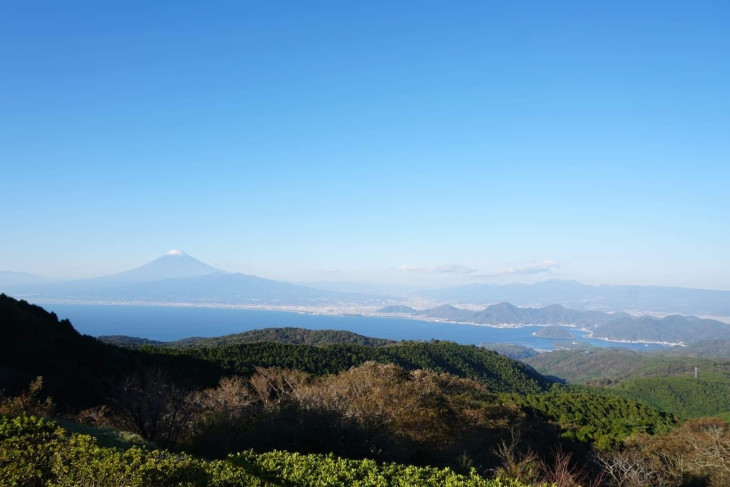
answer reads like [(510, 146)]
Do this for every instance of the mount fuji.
[(175, 264), (178, 278)]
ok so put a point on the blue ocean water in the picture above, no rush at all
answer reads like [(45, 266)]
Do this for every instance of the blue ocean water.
[(173, 323)]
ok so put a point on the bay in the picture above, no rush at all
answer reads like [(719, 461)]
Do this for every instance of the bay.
[(173, 323)]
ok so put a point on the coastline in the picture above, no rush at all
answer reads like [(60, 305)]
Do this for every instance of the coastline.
[(348, 309)]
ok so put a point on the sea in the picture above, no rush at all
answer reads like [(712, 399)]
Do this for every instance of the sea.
[(173, 323)]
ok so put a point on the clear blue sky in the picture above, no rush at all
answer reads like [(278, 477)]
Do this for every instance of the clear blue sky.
[(458, 141)]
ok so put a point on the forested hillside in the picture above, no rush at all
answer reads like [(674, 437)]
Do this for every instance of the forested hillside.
[(616, 326), (600, 419), (708, 348), (497, 372), (685, 396), (664, 380), (580, 366), (288, 335)]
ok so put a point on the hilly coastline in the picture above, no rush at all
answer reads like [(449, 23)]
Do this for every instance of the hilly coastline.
[(673, 329)]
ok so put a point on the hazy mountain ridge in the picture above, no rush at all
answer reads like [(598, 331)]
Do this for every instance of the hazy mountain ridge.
[(397, 308), (174, 264), (10, 279), (179, 278), (613, 326), (582, 296), (508, 314), (221, 289), (672, 329)]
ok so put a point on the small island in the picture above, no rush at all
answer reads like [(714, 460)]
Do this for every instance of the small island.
[(554, 332)]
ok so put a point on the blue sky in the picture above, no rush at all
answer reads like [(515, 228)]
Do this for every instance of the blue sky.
[(456, 141)]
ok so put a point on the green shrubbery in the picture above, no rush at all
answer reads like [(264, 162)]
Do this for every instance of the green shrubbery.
[(331, 470), (602, 420), (35, 452)]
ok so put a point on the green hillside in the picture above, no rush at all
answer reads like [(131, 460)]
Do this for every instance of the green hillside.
[(594, 418), (684, 396), (664, 380), (497, 372), (289, 335), (708, 348), (580, 366)]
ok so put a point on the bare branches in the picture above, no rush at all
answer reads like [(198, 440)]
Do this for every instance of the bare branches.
[(156, 407)]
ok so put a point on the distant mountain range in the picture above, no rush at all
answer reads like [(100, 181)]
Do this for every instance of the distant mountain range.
[(582, 296), (508, 314), (179, 278), (14, 279), (614, 326)]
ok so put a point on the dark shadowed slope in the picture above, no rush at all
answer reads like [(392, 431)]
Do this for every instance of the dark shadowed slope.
[(78, 370)]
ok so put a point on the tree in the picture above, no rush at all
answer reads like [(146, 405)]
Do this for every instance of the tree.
[(157, 408)]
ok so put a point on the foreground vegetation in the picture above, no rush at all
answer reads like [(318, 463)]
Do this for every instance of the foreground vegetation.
[(34, 452)]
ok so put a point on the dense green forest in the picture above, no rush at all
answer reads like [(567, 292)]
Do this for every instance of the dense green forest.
[(684, 396), (596, 419), (717, 348), (492, 369), (292, 336), (581, 366), (313, 412), (662, 380)]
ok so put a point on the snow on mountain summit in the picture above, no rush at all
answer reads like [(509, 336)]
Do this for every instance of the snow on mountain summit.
[(174, 264)]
